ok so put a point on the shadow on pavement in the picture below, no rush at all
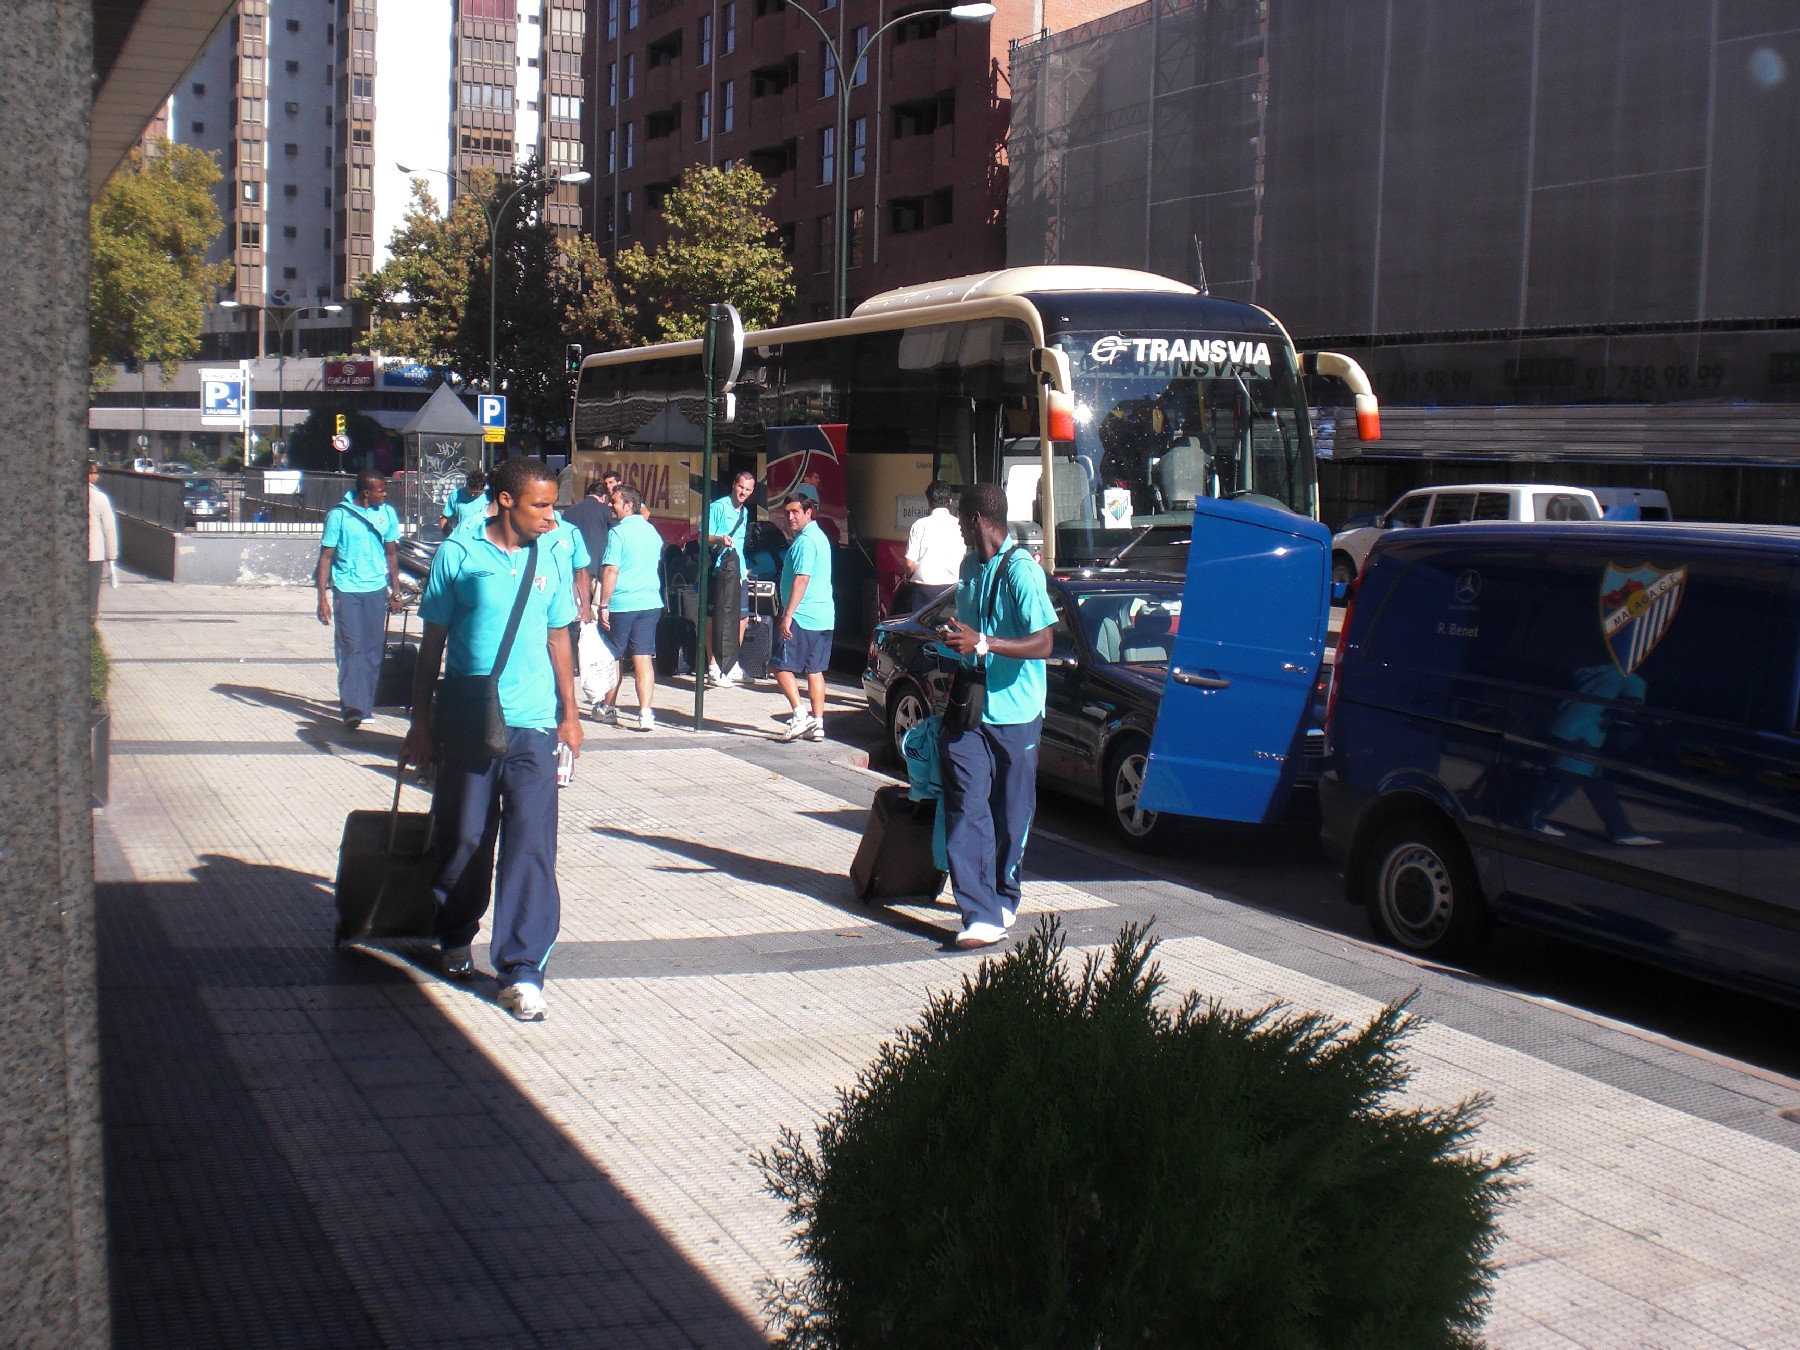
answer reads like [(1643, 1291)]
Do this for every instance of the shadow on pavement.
[(320, 723), (301, 1150), (832, 888)]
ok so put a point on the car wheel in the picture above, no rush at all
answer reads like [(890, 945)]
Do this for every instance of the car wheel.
[(1343, 568), (906, 708), (1124, 783), (1421, 892)]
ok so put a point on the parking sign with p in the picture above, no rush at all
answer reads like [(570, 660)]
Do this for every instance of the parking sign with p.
[(222, 397)]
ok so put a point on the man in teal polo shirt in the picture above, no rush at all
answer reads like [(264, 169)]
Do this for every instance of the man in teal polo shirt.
[(359, 565), (808, 615), (631, 601), (469, 502), (507, 803), (990, 770)]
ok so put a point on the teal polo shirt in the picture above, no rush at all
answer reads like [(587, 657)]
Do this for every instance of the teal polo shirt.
[(635, 548), (809, 556), (462, 508), (1018, 607), (727, 518), (359, 562), (471, 592), (568, 547)]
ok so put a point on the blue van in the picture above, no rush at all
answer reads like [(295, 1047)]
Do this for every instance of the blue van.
[(1591, 729)]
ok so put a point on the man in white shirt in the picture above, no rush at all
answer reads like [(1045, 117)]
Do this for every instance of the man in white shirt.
[(934, 552)]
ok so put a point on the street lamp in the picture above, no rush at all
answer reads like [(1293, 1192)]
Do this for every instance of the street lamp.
[(841, 168), (282, 319), (493, 223)]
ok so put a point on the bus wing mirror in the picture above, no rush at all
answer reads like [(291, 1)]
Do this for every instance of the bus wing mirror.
[(1335, 365), (1052, 364)]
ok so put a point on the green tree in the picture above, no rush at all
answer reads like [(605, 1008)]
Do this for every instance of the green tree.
[(150, 283), (419, 298), (721, 248)]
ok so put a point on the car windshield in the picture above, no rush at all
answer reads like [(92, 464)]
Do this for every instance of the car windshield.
[(199, 487), (1133, 626)]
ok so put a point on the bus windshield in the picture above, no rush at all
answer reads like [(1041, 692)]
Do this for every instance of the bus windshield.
[(1164, 419)]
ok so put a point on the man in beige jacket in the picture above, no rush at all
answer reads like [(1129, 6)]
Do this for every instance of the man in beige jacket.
[(103, 536)]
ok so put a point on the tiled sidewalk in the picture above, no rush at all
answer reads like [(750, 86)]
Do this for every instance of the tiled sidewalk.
[(316, 1148)]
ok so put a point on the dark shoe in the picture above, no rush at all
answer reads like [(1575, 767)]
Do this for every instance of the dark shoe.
[(352, 720), (459, 963)]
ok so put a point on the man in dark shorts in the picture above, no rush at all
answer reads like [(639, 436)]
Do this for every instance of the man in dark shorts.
[(808, 616), (631, 602)]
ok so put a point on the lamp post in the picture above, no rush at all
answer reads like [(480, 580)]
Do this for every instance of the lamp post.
[(840, 262), (493, 219), (282, 318)]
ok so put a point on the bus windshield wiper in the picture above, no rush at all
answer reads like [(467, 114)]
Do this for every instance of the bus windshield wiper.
[(1130, 544)]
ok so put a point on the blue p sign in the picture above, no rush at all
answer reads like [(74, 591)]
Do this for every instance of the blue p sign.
[(493, 411), (219, 397)]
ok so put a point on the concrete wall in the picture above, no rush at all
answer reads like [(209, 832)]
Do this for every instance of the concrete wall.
[(217, 559), (53, 1286)]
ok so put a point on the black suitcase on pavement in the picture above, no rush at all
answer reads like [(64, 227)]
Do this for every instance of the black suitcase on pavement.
[(399, 660), (385, 868), (894, 858), (753, 654)]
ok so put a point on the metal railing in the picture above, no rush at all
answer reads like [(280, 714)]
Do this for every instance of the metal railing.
[(152, 497)]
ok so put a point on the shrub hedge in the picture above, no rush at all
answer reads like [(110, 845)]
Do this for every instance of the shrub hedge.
[(1046, 1161)]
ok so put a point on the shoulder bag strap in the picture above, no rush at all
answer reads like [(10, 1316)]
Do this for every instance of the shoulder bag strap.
[(518, 611), (364, 519)]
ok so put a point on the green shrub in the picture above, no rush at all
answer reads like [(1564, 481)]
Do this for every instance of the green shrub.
[(1045, 1162), (99, 670)]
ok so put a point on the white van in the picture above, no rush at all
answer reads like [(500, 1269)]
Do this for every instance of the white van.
[(1457, 504), (1652, 503)]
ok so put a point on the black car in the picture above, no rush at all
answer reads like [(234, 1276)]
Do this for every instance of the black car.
[(1113, 638), (202, 500)]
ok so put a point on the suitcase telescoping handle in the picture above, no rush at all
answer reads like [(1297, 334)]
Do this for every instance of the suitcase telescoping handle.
[(394, 810)]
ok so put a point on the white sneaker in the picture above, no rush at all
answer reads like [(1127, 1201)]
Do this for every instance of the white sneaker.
[(525, 1002), (713, 673), (1006, 918), (607, 715), (729, 680), (797, 725), (816, 732), (646, 719), (979, 935)]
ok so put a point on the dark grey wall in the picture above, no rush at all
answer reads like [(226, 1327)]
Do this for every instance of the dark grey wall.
[(52, 1244)]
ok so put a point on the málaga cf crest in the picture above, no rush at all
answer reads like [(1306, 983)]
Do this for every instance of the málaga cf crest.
[(1637, 605)]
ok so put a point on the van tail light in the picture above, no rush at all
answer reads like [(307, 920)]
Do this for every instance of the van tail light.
[(1336, 663), (1061, 408), (1368, 417)]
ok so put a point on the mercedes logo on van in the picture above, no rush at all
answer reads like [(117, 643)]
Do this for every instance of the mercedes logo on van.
[(1468, 586), (1107, 350)]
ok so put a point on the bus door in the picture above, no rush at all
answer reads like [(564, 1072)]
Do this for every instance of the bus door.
[(1252, 636)]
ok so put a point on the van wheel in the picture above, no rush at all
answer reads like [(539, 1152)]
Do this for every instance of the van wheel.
[(1343, 568), (1123, 784), (906, 708), (1421, 892)]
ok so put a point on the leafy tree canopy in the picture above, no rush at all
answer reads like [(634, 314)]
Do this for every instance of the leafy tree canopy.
[(432, 298), (150, 284), (721, 249)]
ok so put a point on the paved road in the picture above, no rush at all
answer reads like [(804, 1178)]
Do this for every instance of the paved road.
[(308, 1147)]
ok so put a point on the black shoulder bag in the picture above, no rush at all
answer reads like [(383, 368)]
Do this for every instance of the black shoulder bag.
[(967, 700), (467, 724)]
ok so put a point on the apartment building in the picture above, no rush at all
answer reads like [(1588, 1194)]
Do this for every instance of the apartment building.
[(683, 82), (313, 106)]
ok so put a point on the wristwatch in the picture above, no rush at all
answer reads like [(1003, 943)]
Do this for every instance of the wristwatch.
[(981, 644)]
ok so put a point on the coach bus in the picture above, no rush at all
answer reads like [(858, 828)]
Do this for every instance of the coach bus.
[(1104, 401)]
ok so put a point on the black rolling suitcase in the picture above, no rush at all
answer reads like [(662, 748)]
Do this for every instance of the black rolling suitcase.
[(894, 858), (385, 868), (399, 660), (675, 631), (759, 632)]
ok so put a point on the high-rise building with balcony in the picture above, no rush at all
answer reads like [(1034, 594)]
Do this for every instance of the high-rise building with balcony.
[(682, 82)]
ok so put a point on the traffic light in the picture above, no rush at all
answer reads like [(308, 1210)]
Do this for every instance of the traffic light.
[(572, 356), (340, 424)]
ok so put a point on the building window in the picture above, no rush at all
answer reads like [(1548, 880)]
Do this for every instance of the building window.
[(250, 70), (859, 145), (612, 152), (730, 26), (612, 20), (250, 234), (827, 4), (702, 115), (631, 13), (252, 112), (828, 155), (630, 144), (293, 110), (199, 91), (859, 73), (906, 215), (565, 107), (565, 156), (362, 87), (625, 216), (252, 192), (826, 242), (290, 190), (827, 72), (612, 84), (631, 75), (199, 128), (728, 112), (854, 252), (292, 67), (293, 25), (703, 40)]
